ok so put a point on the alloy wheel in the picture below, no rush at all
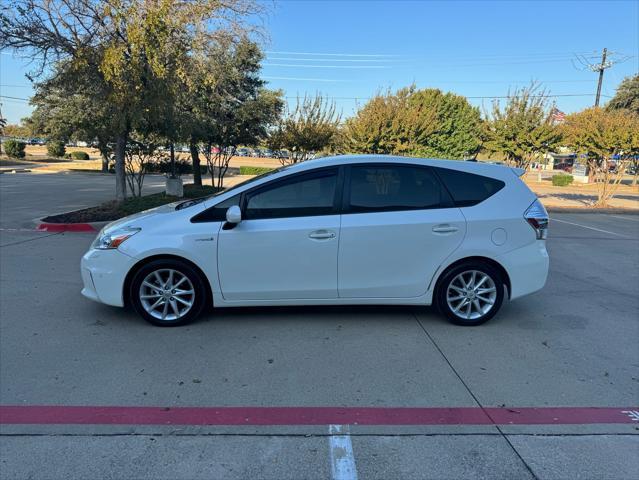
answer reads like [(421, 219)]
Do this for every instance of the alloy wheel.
[(471, 294), (167, 294)]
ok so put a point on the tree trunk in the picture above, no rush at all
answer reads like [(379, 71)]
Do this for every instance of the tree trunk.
[(172, 150), (120, 174), (195, 157)]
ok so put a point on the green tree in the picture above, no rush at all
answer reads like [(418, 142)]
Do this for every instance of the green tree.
[(627, 96), (426, 123), (522, 129), (69, 106), (601, 135), (226, 105), (138, 48), (18, 131), (310, 127)]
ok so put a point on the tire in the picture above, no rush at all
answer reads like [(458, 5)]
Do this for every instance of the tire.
[(455, 293), (151, 284)]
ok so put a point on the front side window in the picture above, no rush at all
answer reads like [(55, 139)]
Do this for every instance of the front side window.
[(217, 213), (395, 187), (308, 195)]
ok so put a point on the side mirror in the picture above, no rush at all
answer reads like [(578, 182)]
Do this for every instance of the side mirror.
[(234, 215)]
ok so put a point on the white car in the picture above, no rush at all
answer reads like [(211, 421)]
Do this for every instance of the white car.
[(361, 229)]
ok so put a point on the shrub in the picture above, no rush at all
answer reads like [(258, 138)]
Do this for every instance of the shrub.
[(14, 148), (244, 170), (561, 180), (79, 155), (55, 149)]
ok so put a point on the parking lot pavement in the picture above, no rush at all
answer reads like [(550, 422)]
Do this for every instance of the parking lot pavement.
[(574, 344), (56, 193)]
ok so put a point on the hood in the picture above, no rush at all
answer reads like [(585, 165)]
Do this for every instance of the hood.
[(140, 218)]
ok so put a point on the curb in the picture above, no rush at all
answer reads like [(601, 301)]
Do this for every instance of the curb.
[(66, 227), (15, 170)]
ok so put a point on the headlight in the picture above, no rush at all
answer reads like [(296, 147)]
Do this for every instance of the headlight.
[(114, 238)]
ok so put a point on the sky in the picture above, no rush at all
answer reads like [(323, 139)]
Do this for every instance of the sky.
[(351, 50)]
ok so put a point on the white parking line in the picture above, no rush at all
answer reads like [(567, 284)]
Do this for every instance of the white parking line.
[(626, 217), (589, 228), (341, 452)]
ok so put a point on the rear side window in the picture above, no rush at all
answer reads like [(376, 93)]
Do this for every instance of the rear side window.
[(395, 187), (468, 189)]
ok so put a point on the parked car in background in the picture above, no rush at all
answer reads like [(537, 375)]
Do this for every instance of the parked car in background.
[(566, 167), (460, 235), (242, 152), (267, 153)]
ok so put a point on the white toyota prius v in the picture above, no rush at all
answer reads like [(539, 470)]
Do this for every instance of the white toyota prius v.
[(361, 229)]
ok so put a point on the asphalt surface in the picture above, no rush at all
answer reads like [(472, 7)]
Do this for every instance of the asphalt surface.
[(574, 344)]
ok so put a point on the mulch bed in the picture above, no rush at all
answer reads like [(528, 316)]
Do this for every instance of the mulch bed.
[(113, 210)]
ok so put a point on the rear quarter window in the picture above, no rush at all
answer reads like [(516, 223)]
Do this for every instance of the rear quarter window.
[(468, 189)]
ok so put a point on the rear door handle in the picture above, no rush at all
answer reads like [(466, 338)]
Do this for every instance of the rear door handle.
[(321, 235), (445, 229)]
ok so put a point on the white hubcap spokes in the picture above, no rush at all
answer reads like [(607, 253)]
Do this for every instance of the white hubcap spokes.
[(167, 294), (471, 294)]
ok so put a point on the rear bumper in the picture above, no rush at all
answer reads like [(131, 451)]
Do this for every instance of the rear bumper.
[(527, 268), (103, 275)]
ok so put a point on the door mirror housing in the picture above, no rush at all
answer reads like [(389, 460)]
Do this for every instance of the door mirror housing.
[(234, 215)]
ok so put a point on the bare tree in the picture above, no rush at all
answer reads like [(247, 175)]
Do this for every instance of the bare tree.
[(139, 155), (309, 128)]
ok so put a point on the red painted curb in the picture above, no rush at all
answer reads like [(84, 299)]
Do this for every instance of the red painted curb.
[(108, 415), (66, 227)]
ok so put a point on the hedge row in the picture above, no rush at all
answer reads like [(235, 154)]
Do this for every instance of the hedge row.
[(246, 170)]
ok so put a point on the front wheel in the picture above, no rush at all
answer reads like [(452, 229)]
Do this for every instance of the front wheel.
[(167, 293), (470, 294)]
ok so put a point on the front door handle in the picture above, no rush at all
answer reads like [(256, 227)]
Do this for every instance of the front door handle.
[(321, 235), (445, 228)]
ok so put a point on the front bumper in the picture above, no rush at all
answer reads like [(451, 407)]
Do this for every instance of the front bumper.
[(103, 275)]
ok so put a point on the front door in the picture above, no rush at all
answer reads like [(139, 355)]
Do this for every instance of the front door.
[(286, 245)]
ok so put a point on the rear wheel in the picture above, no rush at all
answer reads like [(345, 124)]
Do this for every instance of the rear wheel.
[(168, 292), (470, 294)]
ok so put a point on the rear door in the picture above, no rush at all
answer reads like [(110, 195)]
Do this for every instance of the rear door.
[(398, 225)]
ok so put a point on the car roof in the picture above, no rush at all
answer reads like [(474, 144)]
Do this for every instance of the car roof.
[(479, 168)]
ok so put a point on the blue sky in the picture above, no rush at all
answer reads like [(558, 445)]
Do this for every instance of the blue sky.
[(349, 50)]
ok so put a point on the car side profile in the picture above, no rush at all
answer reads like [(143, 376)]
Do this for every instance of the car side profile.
[(353, 229)]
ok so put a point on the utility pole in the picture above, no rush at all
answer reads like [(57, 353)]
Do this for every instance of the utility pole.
[(601, 67)]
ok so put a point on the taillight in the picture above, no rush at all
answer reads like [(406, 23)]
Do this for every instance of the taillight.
[(537, 218)]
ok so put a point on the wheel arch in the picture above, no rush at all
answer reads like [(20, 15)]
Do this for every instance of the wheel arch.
[(498, 266), (134, 269)]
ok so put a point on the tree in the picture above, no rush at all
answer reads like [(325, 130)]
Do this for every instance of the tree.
[(69, 106), (523, 130), (627, 96), (18, 131), (310, 127), (601, 135), (138, 48), (226, 104), (425, 122), (141, 152)]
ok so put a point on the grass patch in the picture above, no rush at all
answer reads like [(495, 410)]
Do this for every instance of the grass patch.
[(247, 170), (113, 210)]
